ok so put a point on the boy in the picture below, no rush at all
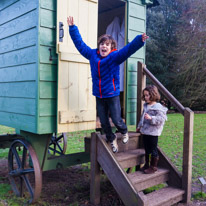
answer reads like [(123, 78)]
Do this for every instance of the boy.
[(104, 62)]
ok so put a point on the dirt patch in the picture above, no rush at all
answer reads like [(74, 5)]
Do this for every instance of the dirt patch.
[(71, 187)]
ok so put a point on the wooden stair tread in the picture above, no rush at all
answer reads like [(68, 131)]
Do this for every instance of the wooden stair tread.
[(121, 156), (142, 181), (165, 196), (140, 176), (119, 135), (132, 144), (130, 158), (131, 135)]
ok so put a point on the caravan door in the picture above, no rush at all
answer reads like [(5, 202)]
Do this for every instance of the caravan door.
[(76, 107)]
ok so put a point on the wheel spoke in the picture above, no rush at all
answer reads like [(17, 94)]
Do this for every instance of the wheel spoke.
[(24, 157), (28, 185), (19, 172), (54, 148), (16, 155), (51, 142), (60, 137), (21, 186), (59, 147), (14, 186), (27, 171)]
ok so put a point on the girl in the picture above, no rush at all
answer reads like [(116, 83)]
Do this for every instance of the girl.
[(151, 126), (104, 63)]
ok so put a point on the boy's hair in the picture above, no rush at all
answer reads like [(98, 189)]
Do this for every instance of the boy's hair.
[(153, 92), (105, 38)]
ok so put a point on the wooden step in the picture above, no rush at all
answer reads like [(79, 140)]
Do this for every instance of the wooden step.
[(130, 158), (164, 197), (141, 181), (134, 142)]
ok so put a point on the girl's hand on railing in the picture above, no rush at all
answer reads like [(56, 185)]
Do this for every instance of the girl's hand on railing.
[(138, 130)]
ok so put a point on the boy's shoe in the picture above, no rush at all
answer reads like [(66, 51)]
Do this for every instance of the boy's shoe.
[(125, 138), (114, 145)]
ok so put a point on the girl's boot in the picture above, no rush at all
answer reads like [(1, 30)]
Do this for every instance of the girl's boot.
[(153, 166), (146, 165)]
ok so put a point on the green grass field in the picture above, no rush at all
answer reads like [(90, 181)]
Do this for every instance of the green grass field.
[(171, 141)]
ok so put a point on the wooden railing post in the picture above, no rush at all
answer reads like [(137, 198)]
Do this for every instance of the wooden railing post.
[(187, 153), (94, 172), (141, 84)]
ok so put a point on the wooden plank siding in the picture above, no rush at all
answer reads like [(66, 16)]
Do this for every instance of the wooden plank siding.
[(47, 68), (18, 63), (136, 25), (27, 75)]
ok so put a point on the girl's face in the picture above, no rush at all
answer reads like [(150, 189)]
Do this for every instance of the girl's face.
[(105, 48), (147, 97)]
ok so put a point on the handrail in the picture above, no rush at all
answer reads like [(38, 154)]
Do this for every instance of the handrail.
[(188, 124), (164, 91)]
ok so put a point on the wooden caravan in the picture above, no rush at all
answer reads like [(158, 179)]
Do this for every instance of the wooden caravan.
[(46, 86)]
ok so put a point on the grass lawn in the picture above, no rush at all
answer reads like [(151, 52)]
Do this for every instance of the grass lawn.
[(171, 141)]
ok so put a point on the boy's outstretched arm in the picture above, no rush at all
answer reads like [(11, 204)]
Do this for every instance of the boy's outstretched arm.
[(130, 48), (84, 50)]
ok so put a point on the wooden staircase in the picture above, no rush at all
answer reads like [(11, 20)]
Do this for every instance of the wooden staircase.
[(131, 185)]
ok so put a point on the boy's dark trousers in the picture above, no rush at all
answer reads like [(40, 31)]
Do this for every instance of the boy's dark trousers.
[(110, 105)]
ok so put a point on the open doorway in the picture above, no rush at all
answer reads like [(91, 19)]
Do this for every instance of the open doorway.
[(111, 20)]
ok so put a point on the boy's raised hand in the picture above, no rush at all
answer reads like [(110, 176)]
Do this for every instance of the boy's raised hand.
[(70, 21), (144, 37)]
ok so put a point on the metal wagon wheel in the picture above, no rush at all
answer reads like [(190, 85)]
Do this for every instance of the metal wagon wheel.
[(25, 174), (58, 144)]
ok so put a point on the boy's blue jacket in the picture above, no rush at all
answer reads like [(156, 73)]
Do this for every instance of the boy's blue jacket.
[(105, 71)]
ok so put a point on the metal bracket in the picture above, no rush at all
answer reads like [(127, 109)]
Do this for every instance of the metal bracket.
[(61, 31), (50, 55)]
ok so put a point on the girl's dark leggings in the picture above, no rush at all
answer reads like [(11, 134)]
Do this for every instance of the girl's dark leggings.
[(150, 145)]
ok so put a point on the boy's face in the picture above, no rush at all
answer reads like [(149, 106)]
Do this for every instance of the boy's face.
[(105, 48)]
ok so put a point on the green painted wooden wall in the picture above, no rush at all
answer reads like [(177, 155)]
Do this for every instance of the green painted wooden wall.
[(27, 76), (18, 63), (136, 24), (47, 68)]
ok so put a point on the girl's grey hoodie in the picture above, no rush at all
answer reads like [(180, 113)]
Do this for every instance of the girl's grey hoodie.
[(154, 126)]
